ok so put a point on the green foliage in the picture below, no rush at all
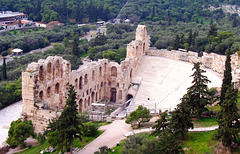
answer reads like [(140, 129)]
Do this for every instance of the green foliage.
[(227, 78), (19, 131), (41, 138), (4, 69), (75, 47), (139, 116), (205, 122), (197, 95), (66, 128), (181, 119), (103, 150), (10, 92), (228, 119), (89, 129), (141, 143), (161, 124)]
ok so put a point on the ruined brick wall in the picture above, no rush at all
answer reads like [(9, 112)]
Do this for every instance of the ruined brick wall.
[(45, 84)]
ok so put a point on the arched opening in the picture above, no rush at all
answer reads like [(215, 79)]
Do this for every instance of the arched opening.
[(129, 96), (41, 95), (114, 71), (57, 71), (56, 88), (41, 74), (80, 82), (100, 71), (92, 97), (113, 95), (85, 79), (67, 86), (100, 94), (68, 69), (88, 101), (131, 74), (49, 67), (48, 92), (143, 48), (76, 83), (96, 97), (85, 103), (120, 94), (80, 105), (93, 75)]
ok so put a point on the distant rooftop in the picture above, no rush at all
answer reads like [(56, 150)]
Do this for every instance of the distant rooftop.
[(7, 14)]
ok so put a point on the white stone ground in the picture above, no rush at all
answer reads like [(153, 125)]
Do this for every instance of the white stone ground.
[(7, 115), (164, 81)]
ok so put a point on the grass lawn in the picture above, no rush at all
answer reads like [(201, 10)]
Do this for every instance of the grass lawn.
[(200, 142), (76, 143), (205, 122)]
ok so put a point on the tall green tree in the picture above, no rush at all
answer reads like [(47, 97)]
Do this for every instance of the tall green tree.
[(181, 119), (227, 79), (139, 116), (75, 47), (197, 94), (190, 38), (160, 124), (176, 43), (228, 119), (67, 125), (4, 69)]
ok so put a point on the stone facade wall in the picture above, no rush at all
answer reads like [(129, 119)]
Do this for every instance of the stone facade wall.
[(45, 83), (209, 60)]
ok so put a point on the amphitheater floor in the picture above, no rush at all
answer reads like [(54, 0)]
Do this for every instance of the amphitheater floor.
[(164, 81)]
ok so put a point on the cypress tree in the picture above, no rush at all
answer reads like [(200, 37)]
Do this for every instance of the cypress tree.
[(176, 43), (198, 93), (227, 79), (161, 124), (4, 69), (75, 48), (228, 118), (190, 38)]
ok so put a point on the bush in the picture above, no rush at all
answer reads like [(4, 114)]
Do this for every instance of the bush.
[(89, 129)]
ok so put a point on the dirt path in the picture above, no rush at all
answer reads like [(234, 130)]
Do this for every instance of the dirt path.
[(113, 133)]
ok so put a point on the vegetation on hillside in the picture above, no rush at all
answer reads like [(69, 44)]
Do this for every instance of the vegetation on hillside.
[(65, 10)]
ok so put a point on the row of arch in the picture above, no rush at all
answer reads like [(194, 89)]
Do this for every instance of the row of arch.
[(51, 71), (49, 91)]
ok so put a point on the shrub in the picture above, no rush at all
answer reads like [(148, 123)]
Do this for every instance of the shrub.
[(89, 129)]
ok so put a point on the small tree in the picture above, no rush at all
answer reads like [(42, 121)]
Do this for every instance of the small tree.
[(181, 119), (197, 94), (141, 115), (19, 131), (228, 119), (227, 79), (176, 42)]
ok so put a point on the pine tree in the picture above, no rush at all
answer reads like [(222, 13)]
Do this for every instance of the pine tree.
[(198, 92), (228, 118), (161, 124), (67, 126), (227, 79), (181, 119)]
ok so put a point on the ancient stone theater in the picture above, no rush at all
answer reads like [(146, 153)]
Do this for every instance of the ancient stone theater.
[(45, 83)]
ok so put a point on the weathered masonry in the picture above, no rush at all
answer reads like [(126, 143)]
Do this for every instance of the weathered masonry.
[(45, 83)]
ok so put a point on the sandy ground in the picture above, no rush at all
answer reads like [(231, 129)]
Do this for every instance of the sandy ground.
[(164, 81), (7, 115)]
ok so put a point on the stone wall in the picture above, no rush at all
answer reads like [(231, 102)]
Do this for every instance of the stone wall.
[(45, 84), (209, 60)]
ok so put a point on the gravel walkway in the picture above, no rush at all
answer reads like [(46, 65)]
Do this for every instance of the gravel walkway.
[(113, 133)]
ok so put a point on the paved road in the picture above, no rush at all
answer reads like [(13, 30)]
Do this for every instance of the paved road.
[(7, 115), (113, 133)]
